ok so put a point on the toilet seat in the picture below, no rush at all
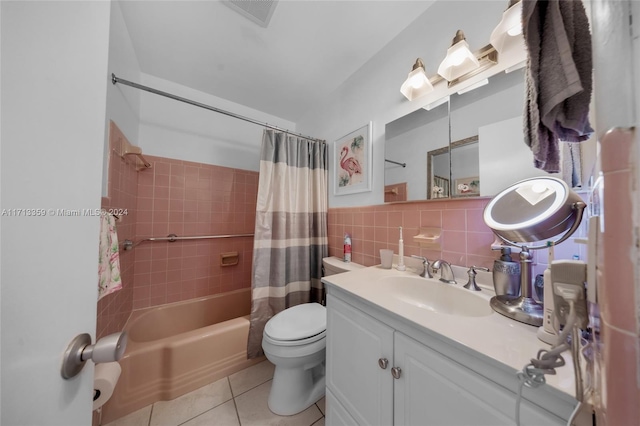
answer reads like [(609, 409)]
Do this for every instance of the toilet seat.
[(298, 325), (306, 341)]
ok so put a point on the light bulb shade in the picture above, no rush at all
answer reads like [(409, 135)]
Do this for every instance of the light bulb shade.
[(509, 28), (459, 61), (416, 85)]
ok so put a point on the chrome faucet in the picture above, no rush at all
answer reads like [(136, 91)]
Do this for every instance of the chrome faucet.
[(438, 265), (427, 266)]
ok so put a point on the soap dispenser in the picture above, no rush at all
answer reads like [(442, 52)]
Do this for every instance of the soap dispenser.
[(506, 274)]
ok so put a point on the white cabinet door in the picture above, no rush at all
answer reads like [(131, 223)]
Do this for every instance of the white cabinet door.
[(336, 414), (355, 344), (434, 390)]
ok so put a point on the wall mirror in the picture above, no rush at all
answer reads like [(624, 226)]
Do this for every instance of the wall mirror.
[(474, 144), (408, 141), (462, 147)]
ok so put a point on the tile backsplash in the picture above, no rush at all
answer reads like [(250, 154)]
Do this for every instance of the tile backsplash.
[(465, 239)]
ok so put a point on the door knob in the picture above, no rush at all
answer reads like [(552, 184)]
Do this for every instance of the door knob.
[(109, 348), (383, 362), (395, 372)]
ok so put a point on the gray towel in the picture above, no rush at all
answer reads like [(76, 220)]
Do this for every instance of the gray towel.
[(558, 77)]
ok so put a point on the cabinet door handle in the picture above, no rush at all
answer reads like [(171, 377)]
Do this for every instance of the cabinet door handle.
[(395, 372), (383, 362)]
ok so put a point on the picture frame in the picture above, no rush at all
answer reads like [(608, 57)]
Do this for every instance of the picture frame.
[(467, 186), (352, 161)]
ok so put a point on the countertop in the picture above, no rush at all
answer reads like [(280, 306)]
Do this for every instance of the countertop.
[(505, 340)]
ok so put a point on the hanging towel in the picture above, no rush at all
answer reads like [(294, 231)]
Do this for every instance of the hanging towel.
[(572, 164), (558, 78), (109, 257)]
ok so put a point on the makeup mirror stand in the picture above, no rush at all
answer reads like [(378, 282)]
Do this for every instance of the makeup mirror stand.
[(524, 308)]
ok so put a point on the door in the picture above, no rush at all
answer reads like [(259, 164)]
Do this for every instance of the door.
[(433, 389), (357, 346), (53, 97)]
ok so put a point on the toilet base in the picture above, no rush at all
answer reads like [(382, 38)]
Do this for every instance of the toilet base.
[(295, 390)]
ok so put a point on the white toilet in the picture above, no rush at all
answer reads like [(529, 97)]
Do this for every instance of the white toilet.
[(294, 341)]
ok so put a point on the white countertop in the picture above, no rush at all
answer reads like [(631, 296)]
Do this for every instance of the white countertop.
[(505, 340)]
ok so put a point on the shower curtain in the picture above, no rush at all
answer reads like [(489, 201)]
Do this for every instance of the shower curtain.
[(291, 229)]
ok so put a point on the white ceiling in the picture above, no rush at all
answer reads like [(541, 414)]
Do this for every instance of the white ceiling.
[(307, 51)]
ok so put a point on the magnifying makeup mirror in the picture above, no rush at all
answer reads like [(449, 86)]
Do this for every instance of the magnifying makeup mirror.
[(528, 212)]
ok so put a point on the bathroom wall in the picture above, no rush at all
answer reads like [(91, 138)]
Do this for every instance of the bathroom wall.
[(373, 92), (617, 90), (188, 198), (174, 129), (465, 240), (122, 105), (114, 309), (119, 178)]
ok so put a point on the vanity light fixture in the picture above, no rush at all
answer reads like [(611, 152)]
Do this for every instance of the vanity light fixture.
[(510, 26), (459, 65), (459, 60), (417, 83)]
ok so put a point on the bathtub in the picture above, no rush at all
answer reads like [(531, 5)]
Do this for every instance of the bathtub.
[(176, 348)]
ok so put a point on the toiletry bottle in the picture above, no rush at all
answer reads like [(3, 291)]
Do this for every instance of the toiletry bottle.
[(347, 248), (506, 274)]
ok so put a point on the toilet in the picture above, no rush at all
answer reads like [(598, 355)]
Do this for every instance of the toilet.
[(294, 341)]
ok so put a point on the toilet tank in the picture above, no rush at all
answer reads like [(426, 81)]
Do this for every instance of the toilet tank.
[(334, 265)]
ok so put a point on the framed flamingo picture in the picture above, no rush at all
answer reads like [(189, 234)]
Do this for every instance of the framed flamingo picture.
[(352, 162)]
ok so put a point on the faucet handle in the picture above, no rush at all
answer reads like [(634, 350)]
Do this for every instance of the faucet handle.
[(427, 266), (471, 284)]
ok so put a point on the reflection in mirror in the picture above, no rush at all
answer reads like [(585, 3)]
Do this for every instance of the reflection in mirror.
[(408, 140), (465, 176), (492, 114), (455, 175), (438, 173)]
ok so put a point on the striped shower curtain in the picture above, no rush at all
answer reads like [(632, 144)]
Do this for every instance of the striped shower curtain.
[(291, 229)]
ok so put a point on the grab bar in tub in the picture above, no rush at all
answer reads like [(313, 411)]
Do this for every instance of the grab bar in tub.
[(128, 244)]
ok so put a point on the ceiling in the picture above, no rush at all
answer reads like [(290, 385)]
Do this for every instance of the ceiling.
[(307, 51)]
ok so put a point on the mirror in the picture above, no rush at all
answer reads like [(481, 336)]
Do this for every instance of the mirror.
[(485, 143), (409, 139), (485, 140), (448, 169), (493, 114)]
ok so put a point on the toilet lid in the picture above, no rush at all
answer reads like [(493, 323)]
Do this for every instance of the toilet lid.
[(298, 322)]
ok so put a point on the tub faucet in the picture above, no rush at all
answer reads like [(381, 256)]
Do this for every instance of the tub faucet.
[(427, 266), (438, 266)]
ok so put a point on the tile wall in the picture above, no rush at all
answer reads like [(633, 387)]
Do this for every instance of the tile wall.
[(191, 199), (465, 239), (618, 354), (114, 309), (186, 199)]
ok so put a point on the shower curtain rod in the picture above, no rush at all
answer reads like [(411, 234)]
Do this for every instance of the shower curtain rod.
[(115, 80)]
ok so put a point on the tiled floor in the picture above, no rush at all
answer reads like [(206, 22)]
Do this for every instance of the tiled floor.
[(236, 400)]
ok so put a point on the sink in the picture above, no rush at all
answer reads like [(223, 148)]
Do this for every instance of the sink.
[(436, 296)]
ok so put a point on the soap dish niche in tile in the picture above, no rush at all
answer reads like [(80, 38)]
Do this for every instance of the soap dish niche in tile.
[(428, 238), (229, 258)]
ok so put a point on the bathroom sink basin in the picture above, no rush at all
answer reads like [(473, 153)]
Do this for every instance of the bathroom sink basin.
[(437, 297)]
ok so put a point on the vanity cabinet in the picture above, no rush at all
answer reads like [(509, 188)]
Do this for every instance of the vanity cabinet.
[(416, 385)]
